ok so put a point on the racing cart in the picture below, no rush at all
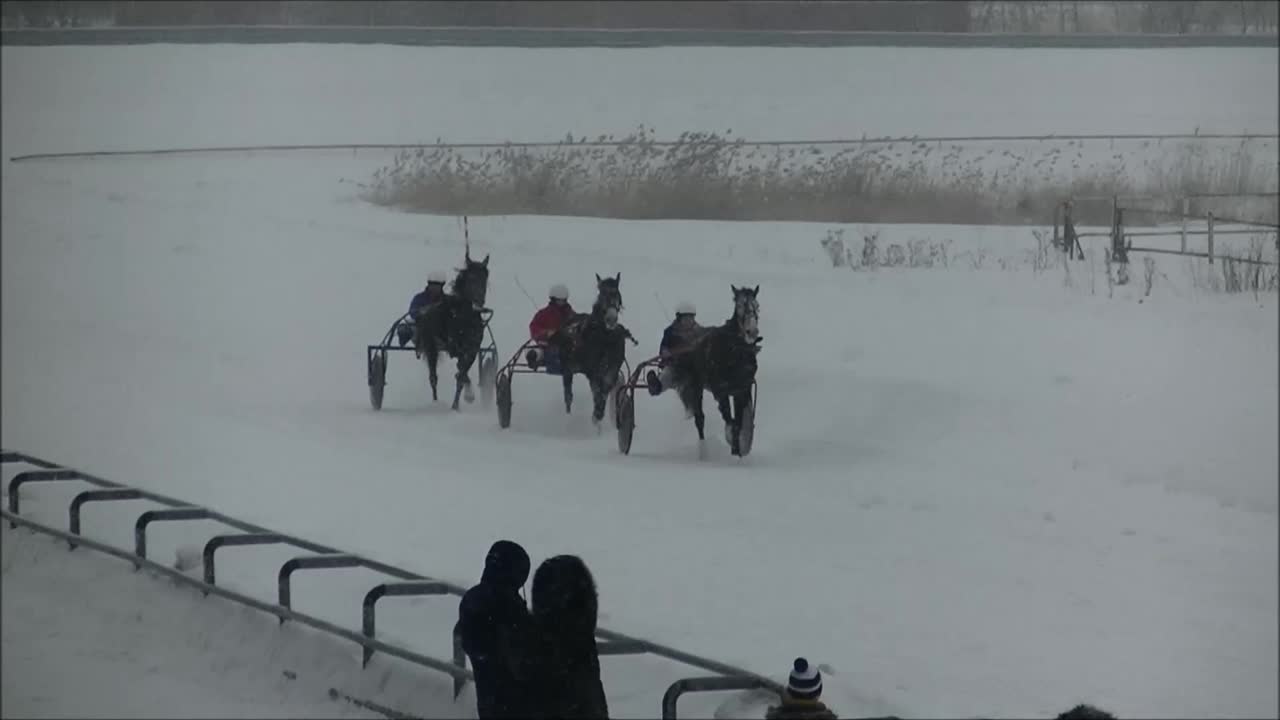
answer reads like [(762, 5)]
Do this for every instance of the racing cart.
[(517, 365), (624, 403), (402, 330)]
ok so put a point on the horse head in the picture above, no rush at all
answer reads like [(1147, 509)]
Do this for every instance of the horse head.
[(746, 313), (608, 305), (472, 281)]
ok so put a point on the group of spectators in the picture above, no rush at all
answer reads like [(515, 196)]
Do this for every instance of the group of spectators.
[(540, 660)]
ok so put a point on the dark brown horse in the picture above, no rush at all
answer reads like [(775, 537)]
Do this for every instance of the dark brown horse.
[(592, 344), (455, 325)]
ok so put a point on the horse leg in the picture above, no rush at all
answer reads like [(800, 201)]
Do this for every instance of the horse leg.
[(464, 381), (740, 402), (599, 397), (464, 370), (433, 357), (693, 402), (730, 427), (566, 377)]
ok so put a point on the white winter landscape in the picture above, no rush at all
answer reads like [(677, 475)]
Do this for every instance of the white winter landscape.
[(990, 489)]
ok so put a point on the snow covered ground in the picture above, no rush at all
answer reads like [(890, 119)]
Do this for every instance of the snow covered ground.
[(86, 637), (974, 490)]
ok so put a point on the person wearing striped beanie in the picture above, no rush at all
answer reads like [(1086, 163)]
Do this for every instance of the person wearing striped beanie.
[(800, 700)]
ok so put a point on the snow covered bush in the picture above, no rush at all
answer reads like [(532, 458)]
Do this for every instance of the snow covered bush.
[(834, 246)]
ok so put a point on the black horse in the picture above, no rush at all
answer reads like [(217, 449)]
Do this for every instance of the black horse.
[(592, 345), (455, 325), (723, 360)]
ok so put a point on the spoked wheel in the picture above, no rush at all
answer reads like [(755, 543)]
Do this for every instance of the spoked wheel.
[(502, 388), (377, 379), (488, 379), (617, 390), (625, 408)]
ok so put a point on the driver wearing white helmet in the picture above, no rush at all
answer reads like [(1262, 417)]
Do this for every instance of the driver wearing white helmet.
[(433, 293), (545, 323), (677, 339)]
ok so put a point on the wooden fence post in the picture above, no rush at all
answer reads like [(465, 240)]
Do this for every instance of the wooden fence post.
[(1186, 208), (1211, 238), (1057, 209), (1118, 252)]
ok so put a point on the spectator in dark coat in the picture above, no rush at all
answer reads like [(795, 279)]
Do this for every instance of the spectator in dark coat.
[(562, 664), (492, 619)]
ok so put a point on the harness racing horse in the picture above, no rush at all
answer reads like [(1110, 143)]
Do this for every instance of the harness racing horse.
[(455, 325), (592, 344), (724, 361)]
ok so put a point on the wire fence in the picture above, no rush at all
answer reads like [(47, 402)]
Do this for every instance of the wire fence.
[(604, 141)]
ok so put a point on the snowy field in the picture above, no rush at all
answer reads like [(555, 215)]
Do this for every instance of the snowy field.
[(975, 491), (256, 94)]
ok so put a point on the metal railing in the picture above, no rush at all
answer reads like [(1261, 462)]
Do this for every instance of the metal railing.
[(407, 583)]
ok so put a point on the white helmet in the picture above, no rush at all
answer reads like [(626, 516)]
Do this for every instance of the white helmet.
[(686, 308), (558, 292), (437, 276)]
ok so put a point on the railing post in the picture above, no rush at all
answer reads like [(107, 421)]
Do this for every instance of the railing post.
[(30, 476), (368, 614), (1210, 238), (218, 541), (714, 683), (73, 522), (335, 560), (190, 512)]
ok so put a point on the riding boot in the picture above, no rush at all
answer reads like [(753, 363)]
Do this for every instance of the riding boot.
[(655, 384)]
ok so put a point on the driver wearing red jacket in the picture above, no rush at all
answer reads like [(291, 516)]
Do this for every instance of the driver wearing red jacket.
[(545, 323)]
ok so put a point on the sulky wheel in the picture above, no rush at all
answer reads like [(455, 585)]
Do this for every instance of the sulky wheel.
[(619, 386), (377, 379), (624, 403), (488, 378), (502, 388)]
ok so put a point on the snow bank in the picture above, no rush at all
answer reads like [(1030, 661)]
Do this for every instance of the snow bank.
[(86, 636)]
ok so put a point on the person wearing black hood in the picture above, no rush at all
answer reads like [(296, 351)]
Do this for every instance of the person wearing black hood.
[(492, 620), (562, 664)]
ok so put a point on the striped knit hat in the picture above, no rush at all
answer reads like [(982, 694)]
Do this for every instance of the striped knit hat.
[(805, 682)]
